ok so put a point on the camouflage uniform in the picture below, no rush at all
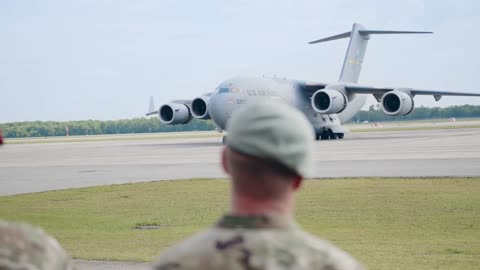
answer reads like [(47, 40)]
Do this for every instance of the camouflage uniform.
[(23, 247), (254, 243)]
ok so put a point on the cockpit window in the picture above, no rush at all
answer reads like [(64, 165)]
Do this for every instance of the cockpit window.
[(223, 90)]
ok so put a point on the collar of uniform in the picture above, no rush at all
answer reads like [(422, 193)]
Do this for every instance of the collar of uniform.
[(255, 222)]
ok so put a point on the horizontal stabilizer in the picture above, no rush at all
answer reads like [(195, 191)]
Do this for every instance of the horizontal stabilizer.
[(339, 36), (359, 36), (369, 32)]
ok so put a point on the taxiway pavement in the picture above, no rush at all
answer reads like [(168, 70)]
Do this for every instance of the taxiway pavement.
[(28, 168)]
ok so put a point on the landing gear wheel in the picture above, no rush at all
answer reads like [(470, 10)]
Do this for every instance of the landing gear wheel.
[(324, 135), (331, 135), (224, 140), (340, 135)]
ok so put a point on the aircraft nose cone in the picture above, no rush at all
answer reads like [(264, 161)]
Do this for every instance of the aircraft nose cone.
[(219, 109)]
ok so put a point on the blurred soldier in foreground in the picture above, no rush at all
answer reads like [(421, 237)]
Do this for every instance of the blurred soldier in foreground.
[(23, 247), (268, 152)]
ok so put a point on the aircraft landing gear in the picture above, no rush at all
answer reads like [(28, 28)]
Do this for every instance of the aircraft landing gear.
[(327, 134), (224, 139), (321, 136), (324, 135), (331, 135)]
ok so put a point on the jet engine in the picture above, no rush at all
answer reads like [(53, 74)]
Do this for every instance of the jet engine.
[(200, 108), (397, 103), (327, 101), (174, 114)]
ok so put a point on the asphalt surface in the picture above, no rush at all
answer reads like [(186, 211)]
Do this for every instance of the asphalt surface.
[(38, 167), (28, 168), (107, 265)]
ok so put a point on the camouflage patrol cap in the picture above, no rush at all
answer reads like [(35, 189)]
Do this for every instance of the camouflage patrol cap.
[(273, 130), (28, 248)]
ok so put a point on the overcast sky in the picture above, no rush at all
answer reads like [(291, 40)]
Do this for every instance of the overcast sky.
[(98, 59)]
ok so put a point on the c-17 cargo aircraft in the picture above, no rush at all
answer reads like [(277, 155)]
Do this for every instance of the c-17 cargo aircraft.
[(326, 105)]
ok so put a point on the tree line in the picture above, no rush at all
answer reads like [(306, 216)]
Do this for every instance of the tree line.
[(375, 114), (97, 127), (150, 125)]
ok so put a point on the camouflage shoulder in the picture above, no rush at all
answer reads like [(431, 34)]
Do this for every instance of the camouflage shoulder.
[(23, 246), (331, 256), (188, 254)]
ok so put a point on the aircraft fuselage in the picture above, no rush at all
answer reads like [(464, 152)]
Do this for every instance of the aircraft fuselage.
[(233, 93)]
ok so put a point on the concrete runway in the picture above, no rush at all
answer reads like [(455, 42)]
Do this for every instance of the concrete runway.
[(28, 168), (48, 166), (109, 265)]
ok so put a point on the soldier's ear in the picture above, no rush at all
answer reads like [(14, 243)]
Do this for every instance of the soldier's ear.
[(225, 164), (297, 182)]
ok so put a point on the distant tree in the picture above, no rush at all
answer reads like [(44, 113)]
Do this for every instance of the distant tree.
[(149, 125), (373, 115)]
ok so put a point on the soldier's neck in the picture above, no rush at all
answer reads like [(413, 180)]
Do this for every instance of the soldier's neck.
[(243, 205)]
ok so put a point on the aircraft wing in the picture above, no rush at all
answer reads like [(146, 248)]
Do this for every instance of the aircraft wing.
[(187, 102), (379, 91), (151, 108), (151, 113)]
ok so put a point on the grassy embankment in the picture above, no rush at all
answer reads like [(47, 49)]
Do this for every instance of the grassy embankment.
[(385, 223)]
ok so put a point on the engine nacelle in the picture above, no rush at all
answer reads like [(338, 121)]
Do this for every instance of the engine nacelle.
[(397, 103), (327, 101), (174, 114), (200, 108)]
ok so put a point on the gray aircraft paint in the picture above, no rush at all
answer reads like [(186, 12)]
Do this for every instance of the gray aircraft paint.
[(233, 93), (352, 64), (292, 92), (244, 89)]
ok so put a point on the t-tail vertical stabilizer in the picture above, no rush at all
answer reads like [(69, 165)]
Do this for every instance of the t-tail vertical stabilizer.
[(359, 36)]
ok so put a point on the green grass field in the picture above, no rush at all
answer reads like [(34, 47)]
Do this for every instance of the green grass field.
[(386, 223)]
